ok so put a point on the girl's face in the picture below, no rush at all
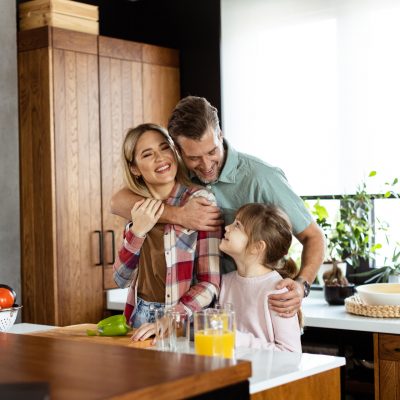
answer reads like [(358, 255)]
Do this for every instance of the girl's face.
[(154, 161), (235, 239)]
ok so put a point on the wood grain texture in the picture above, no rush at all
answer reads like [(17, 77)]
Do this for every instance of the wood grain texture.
[(77, 370), (325, 385), (36, 172), (376, 366), (120, 49), (74, 41), (387, 366), (160, 56), (78, 333), (34, 39), (120, 108), (161, 92), (389, 347), (78, 192)]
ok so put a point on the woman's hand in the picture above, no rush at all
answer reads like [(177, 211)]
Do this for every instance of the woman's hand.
[(144, 332), (145, 214)]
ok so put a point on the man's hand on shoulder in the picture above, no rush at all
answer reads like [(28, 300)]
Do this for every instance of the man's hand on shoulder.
[(199, 214), (287, 304)]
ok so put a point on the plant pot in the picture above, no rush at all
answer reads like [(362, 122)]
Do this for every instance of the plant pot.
[(335, 295), (328, 266)]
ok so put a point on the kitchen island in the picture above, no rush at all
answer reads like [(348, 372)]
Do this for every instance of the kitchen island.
[(274, 374)]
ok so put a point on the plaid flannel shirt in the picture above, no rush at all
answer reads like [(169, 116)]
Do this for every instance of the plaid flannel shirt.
[(192, 260)]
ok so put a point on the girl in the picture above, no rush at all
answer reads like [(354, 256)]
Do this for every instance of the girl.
[(162, 264), (258, 240)]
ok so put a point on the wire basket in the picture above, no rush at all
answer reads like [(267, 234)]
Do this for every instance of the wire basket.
[(8, 317)]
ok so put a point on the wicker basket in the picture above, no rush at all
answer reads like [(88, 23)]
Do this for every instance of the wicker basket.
[(8, 317), (355, 305)]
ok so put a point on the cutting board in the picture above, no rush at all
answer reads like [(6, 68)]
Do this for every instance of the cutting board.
[(78, 333)]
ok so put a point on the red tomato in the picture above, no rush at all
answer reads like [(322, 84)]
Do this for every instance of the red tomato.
[(6, 298)]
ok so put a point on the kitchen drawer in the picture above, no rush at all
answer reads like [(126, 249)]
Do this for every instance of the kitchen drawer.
[(389, 347)]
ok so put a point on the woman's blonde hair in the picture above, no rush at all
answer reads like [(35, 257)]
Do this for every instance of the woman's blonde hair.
[(137, 184), (268, 223)]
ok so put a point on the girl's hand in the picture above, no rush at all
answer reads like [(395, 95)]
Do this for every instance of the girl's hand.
[(145, 214)]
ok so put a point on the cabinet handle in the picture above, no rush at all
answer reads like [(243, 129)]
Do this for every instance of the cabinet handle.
[(397, 349), (100, 233), (112, 246)]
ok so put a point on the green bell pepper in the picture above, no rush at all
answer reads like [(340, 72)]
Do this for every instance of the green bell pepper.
[(112, 326)]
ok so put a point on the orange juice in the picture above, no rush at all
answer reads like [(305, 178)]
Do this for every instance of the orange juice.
[(211, 343)]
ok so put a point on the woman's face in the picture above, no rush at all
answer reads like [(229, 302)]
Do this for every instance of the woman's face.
[(154, 160)]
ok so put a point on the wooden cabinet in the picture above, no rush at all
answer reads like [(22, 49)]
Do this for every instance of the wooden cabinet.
[(76, 100), (387, 366)]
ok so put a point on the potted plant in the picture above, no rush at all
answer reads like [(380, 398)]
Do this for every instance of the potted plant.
[(349, 236)]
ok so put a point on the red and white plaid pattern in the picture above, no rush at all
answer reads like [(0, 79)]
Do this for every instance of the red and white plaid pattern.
[(192, 259)]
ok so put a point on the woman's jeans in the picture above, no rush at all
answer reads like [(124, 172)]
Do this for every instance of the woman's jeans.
[(144, 312)]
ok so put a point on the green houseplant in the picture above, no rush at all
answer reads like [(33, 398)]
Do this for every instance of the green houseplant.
[(349, 238)]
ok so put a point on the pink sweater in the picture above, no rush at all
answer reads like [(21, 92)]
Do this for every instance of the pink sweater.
[(257, 326)]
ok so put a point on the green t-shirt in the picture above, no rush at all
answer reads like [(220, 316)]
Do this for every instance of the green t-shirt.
[(247, 179)]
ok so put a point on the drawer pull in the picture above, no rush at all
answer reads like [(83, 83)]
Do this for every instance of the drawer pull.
[(397, 349)]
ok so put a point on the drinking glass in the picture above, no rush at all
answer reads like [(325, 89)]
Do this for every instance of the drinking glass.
[(214, 332), (179, 329), (162, 329)]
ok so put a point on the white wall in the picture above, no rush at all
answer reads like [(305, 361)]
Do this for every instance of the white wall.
[(10, 270)]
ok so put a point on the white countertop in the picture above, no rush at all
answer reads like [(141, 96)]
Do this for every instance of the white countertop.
[(317, 313), (269, 368)]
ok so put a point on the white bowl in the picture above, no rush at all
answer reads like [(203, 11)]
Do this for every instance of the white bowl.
[(8, 317), (380, 294)]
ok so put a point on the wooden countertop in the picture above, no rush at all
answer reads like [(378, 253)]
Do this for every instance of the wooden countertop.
[(84, 370)]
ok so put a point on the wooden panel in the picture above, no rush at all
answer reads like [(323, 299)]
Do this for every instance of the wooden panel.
[(376, 366), (121, 108), (66, 7), (161, 92), (389, 376), (389, 347), (36, 169), (34, 39), (78, 195), (34, 20), (160, 56), (121, 49), (74, 41), (78, 333), (325, 385)]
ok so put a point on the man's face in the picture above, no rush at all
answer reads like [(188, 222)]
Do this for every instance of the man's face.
[(204, 157)]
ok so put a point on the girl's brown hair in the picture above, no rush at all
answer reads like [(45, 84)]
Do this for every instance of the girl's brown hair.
[(137, 184), (268, 223)]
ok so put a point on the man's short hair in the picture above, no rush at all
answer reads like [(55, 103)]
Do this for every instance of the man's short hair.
[(191, 117)]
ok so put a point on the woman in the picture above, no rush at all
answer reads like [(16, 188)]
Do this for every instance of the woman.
[(162, 264)]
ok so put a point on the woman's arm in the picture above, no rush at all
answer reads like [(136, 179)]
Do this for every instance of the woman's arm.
[(207, 264), (197, 214), (128, 257)]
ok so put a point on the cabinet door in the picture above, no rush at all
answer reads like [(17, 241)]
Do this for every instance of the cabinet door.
[(77, 187), (389, 367), (121, 108), (161, 86)]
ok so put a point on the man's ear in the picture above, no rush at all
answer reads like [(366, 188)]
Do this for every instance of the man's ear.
[(220, 135)]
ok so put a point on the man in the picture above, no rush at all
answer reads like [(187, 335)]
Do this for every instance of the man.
[(235, 179)]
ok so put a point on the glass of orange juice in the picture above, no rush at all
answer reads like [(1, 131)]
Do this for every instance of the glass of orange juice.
[(214, 333)]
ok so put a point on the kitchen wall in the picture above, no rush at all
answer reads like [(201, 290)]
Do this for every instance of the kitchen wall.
[(9, 160)]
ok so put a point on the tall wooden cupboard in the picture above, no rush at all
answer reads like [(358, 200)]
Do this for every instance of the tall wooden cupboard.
[(78, 93)]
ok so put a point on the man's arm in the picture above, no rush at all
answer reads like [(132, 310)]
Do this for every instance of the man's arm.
[(312, 256), (197, 214)]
